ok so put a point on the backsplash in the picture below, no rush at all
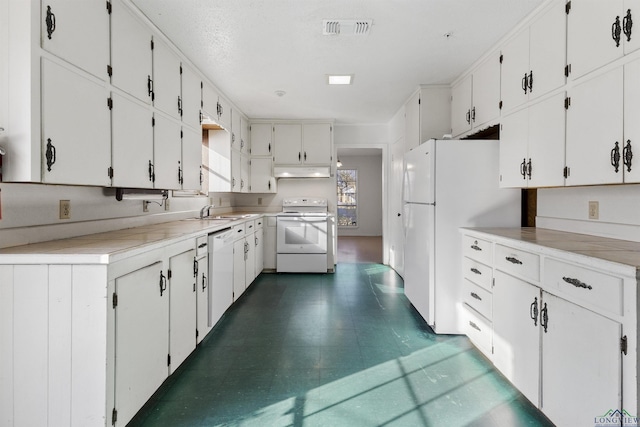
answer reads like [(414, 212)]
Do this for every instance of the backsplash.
[(567, 209)]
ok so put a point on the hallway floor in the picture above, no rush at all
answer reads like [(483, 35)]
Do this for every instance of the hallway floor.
[(343, 349)]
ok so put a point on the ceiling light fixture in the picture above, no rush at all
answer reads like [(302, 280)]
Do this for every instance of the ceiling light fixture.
[(280, 93), (339, 163), (340, 79)]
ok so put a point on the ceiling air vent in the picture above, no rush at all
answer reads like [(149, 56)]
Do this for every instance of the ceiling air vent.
[(346, 27)]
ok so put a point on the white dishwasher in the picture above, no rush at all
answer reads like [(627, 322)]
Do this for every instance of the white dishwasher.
[(220, 273)]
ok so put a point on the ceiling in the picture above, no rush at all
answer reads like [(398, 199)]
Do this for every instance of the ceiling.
[(250, 49)]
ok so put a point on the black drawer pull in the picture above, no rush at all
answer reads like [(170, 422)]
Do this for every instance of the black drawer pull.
[(513, 260), (202, 245), (475, 270), (475, 246), (577, 283), (474, 326), (476, 296)]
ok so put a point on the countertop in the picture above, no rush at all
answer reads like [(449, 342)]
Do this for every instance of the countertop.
[(622, 252), (111, 246)]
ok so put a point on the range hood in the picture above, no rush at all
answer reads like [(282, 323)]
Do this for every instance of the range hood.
[(302, 171)]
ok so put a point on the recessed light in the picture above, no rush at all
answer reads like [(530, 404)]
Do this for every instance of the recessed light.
[(339, 79), (280, 93)]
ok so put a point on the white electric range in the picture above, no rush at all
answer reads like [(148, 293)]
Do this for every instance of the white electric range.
[(301, 240)]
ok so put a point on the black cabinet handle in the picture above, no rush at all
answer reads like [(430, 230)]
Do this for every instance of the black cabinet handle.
[(513, 260), (51, 22), (195, 267), (180, 177), (525, 83), (530, 84), (305, 156), (476, 296), (533, 311), (476, 271), (616, 29), (299, 156), (523, 168), (163, 283), (529, 168), (180, 105), (615, 157), (269, 148), (474, 326), (150, 87), (627, 155), (577, 283), (544, 317), (627, 24), (152, 173), (204, 282), (475, 246), (50, 154), (468, 116)]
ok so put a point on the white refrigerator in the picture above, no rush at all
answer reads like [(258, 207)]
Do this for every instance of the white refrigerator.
[(448, 184)]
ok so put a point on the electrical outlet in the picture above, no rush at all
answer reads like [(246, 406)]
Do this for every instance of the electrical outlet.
[(259, 201), (594, 210), (65, 209)]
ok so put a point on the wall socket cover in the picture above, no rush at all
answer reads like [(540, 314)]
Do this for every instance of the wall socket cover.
[(65, 209), (594, 210)]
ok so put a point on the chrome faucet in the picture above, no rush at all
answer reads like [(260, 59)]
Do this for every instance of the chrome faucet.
[(205, 208)]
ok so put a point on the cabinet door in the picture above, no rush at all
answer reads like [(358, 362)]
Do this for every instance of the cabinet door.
[(210, 102), (262, 180), (594, 127), (630, 11), (245, 136), (236, 172), (461, 107), (238, 268), (141, 338), (191, 95), (245, 173), (261, 140), (631, 124), (202, 297), (75, 128), (78, 32), (316, 139), (259, 250), (132, 143), (546, 142), (548, 51), (224, 115), (486, 92), (217, 162), (250, 262), (515, 71), (167, 153), (288, 144), (131, 59), (516, 333), (191, 159), (235, 131), (588, 370), (590, 42), (182, 307), (514, 140), (412, 122), (166, 79)]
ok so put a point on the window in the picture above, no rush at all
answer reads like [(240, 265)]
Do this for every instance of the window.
[(347, 197)]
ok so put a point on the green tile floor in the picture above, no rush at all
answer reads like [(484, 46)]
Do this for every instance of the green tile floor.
[(343, 349)]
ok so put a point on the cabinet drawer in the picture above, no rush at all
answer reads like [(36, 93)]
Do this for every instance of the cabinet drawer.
[(249, 227), (478, 298), (581, 284), (476, 272), (239, 230), (477, 249), (201, 245), (478, 329), (517, 262), (259, 223)]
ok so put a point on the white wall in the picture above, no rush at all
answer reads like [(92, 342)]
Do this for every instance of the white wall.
[(567, 209), (369, 195)]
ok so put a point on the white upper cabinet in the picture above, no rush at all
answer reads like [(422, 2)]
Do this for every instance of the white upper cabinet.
[(631, 168), (191, 159), (167, 153), (532, 142), (209, 102), (594, 143), (261, 139), (245, 135), (75, 128), (288, 143), (166, 79), (131, 54), (132, 143), (78, 32), (236, 131), (191, 97), (475, 100), (600, 32), (412, 122), (224, 112), (316, 140), (461, 106), (262, 179), (533, 61)]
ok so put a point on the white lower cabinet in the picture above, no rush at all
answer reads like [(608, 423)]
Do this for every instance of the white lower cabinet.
[(182, 276), (562, 331), (258, 239), (202, 297), (141, 338)]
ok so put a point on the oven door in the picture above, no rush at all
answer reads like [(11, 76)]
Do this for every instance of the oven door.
[(302, 235)]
